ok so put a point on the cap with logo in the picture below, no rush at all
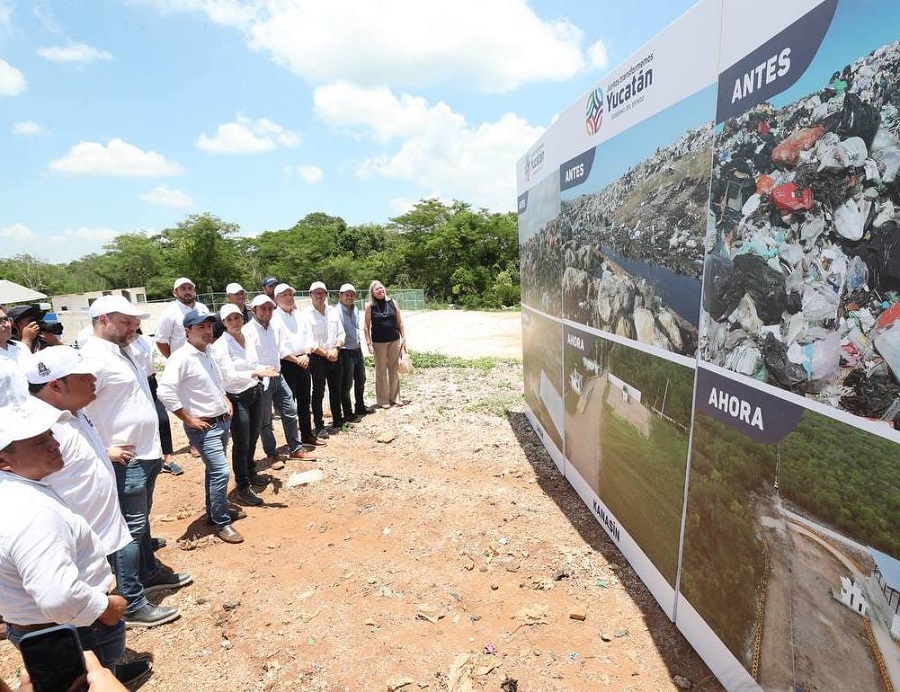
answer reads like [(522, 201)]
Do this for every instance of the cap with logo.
[(270, 281), (234, 288), (181, 282), (195, 317), (27, 419), (261, 300), (106, 305), (56, 363)]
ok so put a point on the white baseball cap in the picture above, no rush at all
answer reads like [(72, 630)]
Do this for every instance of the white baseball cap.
[(56, 362), (281, 288), (234, 288), (109, 304), (316, 285), (261, 299), (27, 419), (181, 282), (229, 309), (347, 287)]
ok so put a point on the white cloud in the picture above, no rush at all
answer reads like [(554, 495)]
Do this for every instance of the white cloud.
[(85, 233), (433, 146), (5, 14), (44, 14), (163, 196), (12, 82), (28, 128), (246, 136), (598, 56), (16, 232), (499, 44), (310, 174), (74, 52), (117, 158)]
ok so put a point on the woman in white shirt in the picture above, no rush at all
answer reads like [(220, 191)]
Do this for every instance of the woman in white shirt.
[(244, 380)]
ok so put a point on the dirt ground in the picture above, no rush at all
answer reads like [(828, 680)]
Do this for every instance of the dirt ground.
[(440, 550)]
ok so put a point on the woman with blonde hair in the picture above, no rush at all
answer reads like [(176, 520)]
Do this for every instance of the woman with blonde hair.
[(386, 338)]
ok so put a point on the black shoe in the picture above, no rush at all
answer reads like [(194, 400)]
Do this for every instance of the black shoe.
[(158, 543), (365, 411), (128, 673), (322, 433), (248, 497), (173, 468), (338, 424), (151, 616), (164, 579), (260, 480)]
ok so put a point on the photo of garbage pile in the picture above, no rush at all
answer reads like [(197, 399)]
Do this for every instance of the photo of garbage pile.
[(632, 252), (802, 279), (539, 249)]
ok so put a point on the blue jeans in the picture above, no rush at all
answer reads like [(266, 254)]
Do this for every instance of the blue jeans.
[(281, 396), (107, 642), (212, 445), (134, 564)]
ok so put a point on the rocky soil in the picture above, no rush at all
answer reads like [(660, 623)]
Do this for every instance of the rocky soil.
[(440, 550)]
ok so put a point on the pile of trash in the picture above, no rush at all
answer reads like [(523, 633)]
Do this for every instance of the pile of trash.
[(802, 281), (541, 269)]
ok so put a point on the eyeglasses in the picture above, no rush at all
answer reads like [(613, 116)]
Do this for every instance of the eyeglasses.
[(5, 320)]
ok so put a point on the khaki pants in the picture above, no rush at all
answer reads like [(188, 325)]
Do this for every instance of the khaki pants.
[(387, 379)]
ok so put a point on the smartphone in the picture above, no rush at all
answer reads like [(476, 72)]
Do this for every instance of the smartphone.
[(54, 660)]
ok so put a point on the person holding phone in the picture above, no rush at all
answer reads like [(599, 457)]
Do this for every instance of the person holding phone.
[(99, 679), (53, 567)]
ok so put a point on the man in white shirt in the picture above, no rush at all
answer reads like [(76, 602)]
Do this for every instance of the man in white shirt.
[(15, 387), (266, 339), (294, 353), (191, 387), (53, 567), (353, 365), (327, 333), (169, 334), (125, 416)]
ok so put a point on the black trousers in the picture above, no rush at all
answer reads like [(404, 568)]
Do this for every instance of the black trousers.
[(353, 377), (165, 429), (245, 434), (323, 372), (300, 382)]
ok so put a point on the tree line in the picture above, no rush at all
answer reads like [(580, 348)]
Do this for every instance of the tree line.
[(455, 253)]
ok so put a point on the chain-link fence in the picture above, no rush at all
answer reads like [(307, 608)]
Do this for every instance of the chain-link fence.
[(406, 298)]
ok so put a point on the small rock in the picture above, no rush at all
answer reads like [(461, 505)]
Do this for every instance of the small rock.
[(483, 568), (398, 683), (682, 683), (469, 566), (578, 614), (621, 633), (560, 574), (166, 518), (605, 636), (386, 437), (230, 605), (495, 586), (474, 618), (512, 567)]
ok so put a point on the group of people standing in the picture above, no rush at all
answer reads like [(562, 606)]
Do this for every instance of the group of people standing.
[(95, 418)]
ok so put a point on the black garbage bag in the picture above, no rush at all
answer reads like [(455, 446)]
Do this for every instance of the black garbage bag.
[(794, 303), (881, 253), (765, 286), (859, 119), (723, 286), (784, 373), (872, 395)]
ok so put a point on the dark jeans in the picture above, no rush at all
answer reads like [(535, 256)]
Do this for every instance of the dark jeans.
[(212, 445), (134, 564), (165, 429), (106, 641), (245, 433), (353, 376), (299, 382), (323, 371), (279, 395)]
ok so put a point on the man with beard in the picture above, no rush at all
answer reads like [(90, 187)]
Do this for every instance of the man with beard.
[(169, 333), (125, 416)]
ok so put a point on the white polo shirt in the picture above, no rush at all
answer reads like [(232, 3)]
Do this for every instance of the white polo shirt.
[(53, 568)]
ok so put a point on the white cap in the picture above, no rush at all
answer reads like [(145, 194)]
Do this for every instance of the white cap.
[(347, 287), (27, 419), (261, 299), (181, 282), (316, 285), (234, 288), (281, 288), (108, 304), (229, 309), (56, 362)]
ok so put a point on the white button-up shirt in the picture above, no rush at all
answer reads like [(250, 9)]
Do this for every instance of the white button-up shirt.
[(325, 330), (265, 341), (53, 568), (296, 339), (12, 376), (87, 481), (123, 412), (192, 381), (236, 363), (170, 325)]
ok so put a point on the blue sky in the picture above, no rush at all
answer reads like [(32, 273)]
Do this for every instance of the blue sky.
[(126, 115)]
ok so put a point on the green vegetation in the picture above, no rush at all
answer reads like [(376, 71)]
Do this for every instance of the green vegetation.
[(458, 255), (429, 359)]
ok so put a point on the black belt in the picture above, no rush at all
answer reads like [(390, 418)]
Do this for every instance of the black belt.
[(216, 419), (316, 355)]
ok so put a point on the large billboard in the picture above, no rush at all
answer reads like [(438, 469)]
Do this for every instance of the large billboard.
[(711, 312)]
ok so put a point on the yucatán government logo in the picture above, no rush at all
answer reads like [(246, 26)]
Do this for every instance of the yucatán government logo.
[(533, 161), (593, 111)]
